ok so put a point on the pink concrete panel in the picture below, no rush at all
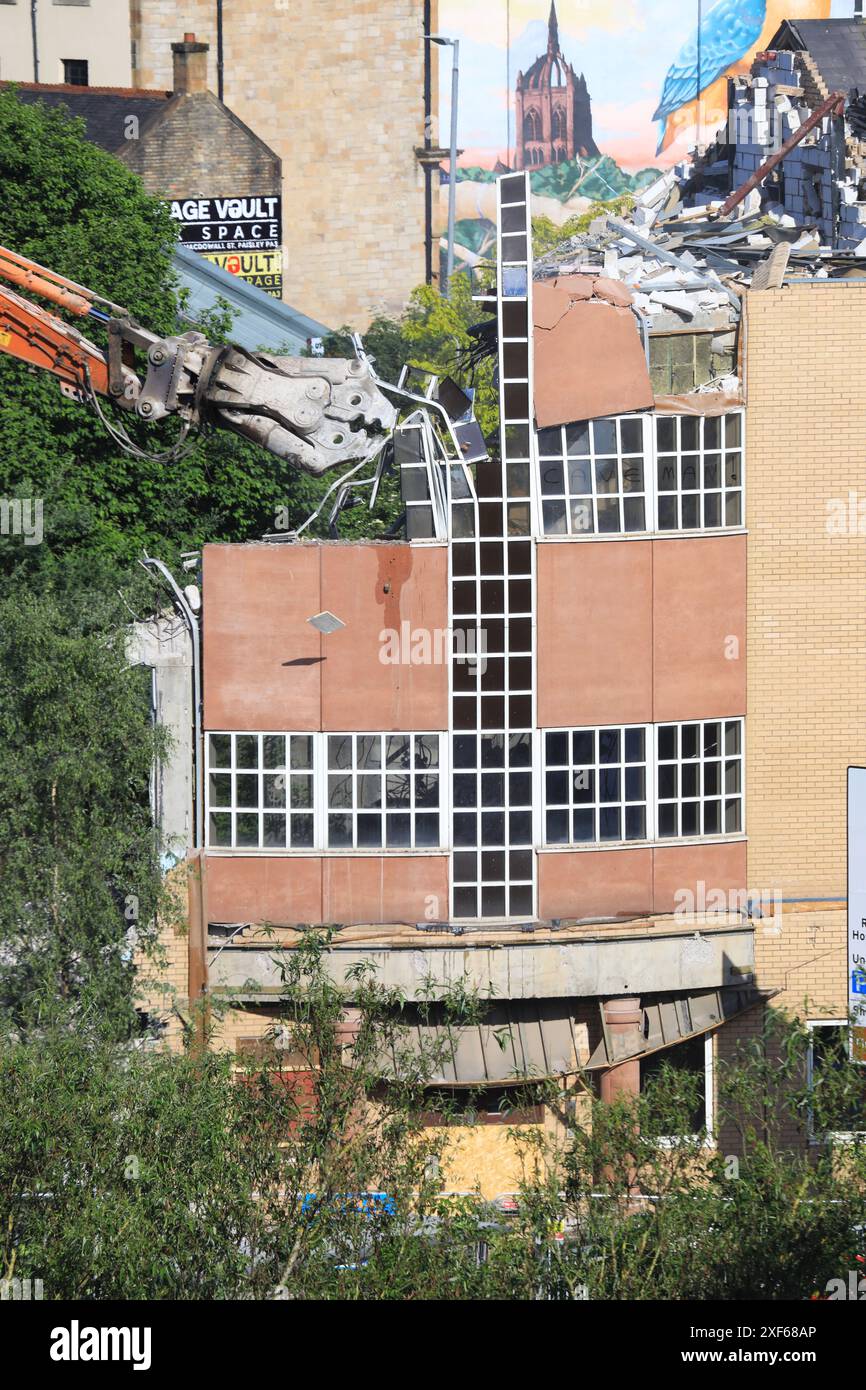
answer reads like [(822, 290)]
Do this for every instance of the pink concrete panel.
[(402, 889), (265, 667), (263, 889), (378, 589), (595, 883), (699, 627), (342, 889), (594, 633), (261, 659), (676, 867)]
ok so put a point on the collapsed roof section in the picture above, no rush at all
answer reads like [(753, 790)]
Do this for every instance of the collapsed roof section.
[(658, 329), (781, 192)]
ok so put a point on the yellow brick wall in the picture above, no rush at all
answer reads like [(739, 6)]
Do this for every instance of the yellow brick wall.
[(163, 981), (336, 88), (806, 625)]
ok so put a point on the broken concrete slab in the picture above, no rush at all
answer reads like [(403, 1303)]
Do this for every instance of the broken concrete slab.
[(592, 363)]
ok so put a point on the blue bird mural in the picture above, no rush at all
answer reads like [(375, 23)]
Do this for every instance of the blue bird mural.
[(729, 29)]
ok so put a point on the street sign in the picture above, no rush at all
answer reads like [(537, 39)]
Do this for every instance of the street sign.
[(857, 911)]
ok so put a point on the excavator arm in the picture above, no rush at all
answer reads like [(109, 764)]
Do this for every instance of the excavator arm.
[(316, 413)]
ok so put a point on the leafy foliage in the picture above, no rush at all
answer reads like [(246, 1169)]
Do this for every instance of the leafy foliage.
[(78, 856), (309, 1173), (78, 210), (546, 236)]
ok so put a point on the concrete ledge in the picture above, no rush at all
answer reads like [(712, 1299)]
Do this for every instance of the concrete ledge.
[(591, 966)]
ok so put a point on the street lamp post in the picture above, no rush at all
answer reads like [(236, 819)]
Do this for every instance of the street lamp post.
[(452, 174)]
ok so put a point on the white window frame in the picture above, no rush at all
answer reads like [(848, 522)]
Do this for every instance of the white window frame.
[(235, 809), (672, 1141), (677, 454), (573, 769), (838, 1136), (652, 763), (699, 763), (357, 772), (651, 492), (503, 807), (621, 461), (320, 809)]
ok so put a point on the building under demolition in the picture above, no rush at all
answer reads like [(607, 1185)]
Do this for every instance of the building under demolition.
[(579, 737)]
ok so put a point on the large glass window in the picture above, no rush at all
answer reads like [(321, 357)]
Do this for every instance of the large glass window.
[(260, 791), (383, 791), (593, 478), (595, 785), (641, 473), (643, 782), (323, 791), (699, 471), (837, 1085), (700, 778), (685, 1107)]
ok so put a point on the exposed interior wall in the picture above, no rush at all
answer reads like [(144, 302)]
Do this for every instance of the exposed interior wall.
[(163, 977)]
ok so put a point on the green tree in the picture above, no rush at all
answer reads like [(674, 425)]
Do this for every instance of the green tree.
[(78, 853), (76, 209)]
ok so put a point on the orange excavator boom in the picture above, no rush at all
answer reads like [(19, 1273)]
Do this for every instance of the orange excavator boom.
[(317, 413)]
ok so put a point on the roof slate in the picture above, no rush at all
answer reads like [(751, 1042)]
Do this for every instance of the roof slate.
[(104, 110), (838, 47)]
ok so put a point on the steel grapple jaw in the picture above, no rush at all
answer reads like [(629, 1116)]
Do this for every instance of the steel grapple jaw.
[(315, 412)]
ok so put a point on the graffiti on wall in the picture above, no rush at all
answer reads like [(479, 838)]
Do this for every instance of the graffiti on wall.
[(594, 99)]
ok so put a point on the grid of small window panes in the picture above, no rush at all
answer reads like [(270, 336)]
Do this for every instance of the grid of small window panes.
[(492, 634), (643, 782), (383, 791), (595, 785), (700, 778), (492, 820), (260, 791), (699, 471), (641, 473), (593, 477)]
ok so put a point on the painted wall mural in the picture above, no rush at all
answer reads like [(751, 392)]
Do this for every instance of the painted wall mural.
[(593, 98)]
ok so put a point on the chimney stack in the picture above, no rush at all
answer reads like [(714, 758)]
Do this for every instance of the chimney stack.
[(190, 65)]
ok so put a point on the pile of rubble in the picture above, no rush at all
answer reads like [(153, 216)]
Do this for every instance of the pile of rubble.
[(782, 190)]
